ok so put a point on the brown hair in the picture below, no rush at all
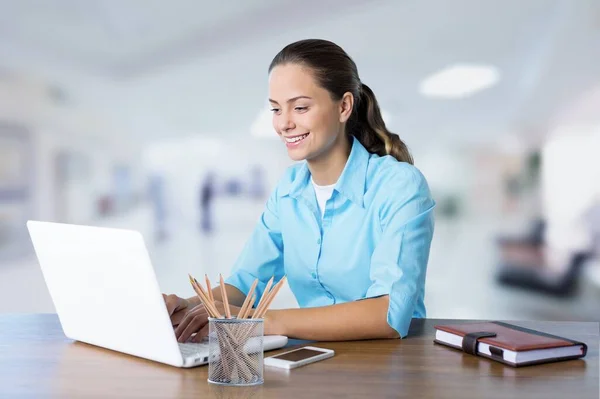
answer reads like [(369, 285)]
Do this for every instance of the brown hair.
[(336, 72)]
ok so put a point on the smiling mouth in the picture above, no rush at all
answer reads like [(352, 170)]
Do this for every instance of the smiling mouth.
[(296, 139)]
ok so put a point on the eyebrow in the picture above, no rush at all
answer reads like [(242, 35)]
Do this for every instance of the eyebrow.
[(292, 99)]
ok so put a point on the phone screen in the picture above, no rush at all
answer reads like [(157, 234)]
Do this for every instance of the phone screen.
[(298, 354)]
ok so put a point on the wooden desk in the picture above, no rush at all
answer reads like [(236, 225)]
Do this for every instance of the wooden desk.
[(37, 361)]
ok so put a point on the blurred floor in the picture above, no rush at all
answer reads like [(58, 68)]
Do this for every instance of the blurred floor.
[(460, 282)]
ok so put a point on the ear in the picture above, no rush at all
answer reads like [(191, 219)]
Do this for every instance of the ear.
[(346, 105)]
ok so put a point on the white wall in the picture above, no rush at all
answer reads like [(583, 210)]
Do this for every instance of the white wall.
[(54, 128), (571, 182)]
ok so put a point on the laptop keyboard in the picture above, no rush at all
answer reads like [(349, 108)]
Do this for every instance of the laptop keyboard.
[(191, 349)]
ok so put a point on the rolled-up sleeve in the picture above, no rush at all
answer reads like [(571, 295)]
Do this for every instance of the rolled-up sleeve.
[(262, 256), (399, 261)]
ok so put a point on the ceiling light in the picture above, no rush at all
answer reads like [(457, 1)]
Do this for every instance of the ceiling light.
[(459, 81)]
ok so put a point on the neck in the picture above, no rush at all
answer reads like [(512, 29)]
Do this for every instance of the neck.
[(327, 167)]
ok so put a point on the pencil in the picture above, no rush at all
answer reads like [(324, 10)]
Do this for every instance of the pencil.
[(203, 301), (205, 295), (248, 297), (224, 295), (209, 289), (261, 312), (265, 293), (247, 310), (211, 311), (210, 308)]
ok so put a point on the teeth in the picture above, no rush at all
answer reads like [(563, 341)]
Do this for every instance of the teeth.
[(295, 139)]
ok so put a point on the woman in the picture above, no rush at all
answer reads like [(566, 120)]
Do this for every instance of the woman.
[(351, 227)]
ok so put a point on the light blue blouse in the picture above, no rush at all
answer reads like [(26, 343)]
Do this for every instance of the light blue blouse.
[(373, 239)]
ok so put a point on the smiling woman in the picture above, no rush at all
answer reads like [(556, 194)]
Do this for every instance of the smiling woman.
[(350, 225)]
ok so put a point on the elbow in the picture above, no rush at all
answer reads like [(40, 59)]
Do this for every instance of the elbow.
[(391, 333)]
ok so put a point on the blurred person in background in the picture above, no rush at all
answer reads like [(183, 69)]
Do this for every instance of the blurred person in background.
[(351, 227), (207, 196), (256, 187), (593, 221), (592, 217), (156, 193)]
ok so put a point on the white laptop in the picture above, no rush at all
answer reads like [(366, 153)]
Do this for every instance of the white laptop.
[(106, 294)]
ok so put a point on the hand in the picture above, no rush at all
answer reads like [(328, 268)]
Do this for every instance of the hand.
[(177, 308), (196, 321)]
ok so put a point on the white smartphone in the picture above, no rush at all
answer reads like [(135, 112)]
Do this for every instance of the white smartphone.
[(298, 357)]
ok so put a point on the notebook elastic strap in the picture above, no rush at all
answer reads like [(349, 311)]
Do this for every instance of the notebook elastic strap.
[(469, 343)]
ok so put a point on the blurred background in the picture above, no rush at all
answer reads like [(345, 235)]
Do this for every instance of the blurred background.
[(152, 115)]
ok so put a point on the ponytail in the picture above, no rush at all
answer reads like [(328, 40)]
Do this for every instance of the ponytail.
[(368, 127)]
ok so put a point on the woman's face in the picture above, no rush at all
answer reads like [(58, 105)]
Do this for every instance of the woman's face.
[(307, 119)]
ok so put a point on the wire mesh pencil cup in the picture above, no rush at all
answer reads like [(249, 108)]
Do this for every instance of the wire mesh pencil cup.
[(235, 351)]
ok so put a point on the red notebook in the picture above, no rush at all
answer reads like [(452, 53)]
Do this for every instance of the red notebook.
[(508, 344)]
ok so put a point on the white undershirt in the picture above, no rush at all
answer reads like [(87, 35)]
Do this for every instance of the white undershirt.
[(323, 193)]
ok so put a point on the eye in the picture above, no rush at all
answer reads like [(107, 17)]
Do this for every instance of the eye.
[(301, 109), (275, 110)]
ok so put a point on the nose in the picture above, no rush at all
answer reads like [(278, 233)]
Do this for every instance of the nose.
[(285, 123)]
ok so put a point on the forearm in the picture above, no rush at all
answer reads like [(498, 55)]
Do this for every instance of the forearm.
[(366, 319), (235, 296)]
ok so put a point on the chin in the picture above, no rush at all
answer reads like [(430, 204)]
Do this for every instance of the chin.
[(297, 156)]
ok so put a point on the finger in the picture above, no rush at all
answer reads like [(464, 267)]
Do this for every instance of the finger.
[(178, 316), (196, 321), (183, 324), (189, 330), (171, 302), (201, 334), (182, 303), (195, 326), (188, 318)]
